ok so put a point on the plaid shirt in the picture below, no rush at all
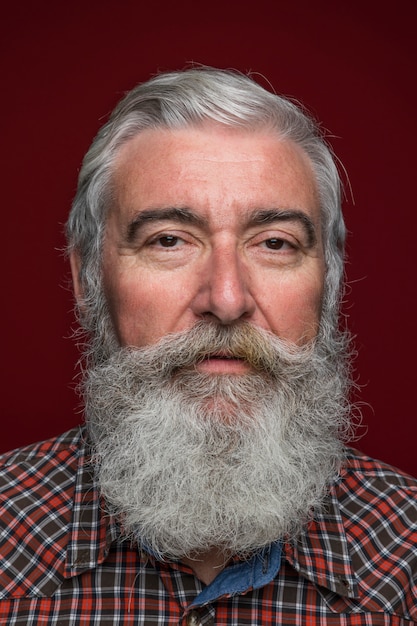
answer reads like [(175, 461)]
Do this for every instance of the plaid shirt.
[(61, 562)]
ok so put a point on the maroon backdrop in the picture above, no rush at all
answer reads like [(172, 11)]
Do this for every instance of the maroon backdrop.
[(64, 68)]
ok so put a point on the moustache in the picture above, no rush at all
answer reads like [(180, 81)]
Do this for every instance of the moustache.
[(262, 350)]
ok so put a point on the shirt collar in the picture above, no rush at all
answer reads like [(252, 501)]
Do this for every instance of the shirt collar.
[(91, 530), (239, 577)]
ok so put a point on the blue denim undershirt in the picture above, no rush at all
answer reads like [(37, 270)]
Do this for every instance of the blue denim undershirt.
[(258, 571)]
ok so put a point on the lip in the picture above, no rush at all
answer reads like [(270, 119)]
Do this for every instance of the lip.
[(223, 363)]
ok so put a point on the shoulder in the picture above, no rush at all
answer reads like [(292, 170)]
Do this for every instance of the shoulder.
[(357, 461), (43, 463), (39, 477), (50, 448), (375, 493), (369, 530), (37, 485), (365, 477), (378, 504)]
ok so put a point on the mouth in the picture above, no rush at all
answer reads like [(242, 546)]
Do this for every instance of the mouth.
[(223, 363)]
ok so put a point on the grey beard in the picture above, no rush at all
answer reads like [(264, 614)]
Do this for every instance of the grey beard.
[(190, 461)]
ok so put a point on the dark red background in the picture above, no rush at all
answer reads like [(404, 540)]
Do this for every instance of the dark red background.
[(64, 68)]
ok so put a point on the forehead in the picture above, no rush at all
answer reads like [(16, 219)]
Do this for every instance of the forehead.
[(213, 167)]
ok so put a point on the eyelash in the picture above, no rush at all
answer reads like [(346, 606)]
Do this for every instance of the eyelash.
[(168, 240)]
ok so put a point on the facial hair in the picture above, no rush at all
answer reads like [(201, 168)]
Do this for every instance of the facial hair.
[(190, 461)]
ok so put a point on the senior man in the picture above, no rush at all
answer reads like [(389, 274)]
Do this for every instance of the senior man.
[(212, 483)]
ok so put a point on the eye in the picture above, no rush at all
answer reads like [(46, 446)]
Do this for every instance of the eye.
[(274, 243), (167, 241)]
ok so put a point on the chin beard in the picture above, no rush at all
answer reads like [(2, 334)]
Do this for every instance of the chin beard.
[(191, 461)]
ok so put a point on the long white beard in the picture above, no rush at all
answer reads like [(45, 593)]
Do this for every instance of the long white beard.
[(192, 461)]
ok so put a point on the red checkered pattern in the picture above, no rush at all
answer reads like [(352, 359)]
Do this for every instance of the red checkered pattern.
[(61, 561)]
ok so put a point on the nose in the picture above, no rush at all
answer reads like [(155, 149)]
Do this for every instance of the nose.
[(224, 289)]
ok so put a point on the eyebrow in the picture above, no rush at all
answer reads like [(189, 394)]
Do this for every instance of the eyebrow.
[(182, 215), (269, 216), (186, 216)]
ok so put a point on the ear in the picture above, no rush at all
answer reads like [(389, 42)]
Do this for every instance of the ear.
[(75, 263)]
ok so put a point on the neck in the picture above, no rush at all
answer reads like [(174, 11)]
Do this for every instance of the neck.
[(208, 565)]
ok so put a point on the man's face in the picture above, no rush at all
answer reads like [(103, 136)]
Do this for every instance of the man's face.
[(213, 224), (219, 226)]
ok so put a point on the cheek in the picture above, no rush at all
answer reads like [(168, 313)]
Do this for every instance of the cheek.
[(144, 311), (132, 314), (126, 304), (296, 310), (309, 304)]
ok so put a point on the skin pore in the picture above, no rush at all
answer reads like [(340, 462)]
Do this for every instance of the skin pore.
[(212, 224)]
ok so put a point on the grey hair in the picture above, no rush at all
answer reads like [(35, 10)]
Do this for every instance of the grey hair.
[(190, 98)]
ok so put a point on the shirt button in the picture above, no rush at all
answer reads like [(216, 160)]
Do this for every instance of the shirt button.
[(193, 619)]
